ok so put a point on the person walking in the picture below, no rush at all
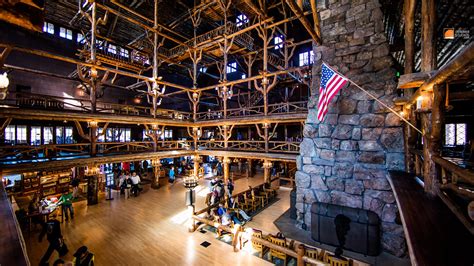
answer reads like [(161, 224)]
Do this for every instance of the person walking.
[(52, 230), (171, 175), (135, 184), (75, 187), (66, 201)]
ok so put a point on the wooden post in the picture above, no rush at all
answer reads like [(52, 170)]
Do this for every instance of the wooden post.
[(267, 165), (197, 160), (410, 143), (226, 163), (300, 252), (267, 138), (434, 144), (249, 168), (428, 40), (409, 10), (426, 127), (93, 140)]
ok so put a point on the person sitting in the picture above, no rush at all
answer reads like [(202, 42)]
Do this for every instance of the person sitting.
[(83, 257), (227, 217), (135, 184)]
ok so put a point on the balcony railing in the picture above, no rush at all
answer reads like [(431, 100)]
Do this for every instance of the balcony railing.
[(251, 145)]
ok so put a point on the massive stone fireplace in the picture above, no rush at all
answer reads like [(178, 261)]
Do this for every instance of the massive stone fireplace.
[(345, 159)]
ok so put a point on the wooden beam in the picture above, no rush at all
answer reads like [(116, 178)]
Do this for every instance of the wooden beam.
[(298, 12), (442, 75), (317, 27), (414, 80), (409, 10), (255, 9), (428, 38)]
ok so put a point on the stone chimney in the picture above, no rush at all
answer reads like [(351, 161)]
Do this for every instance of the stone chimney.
[(345, 159)]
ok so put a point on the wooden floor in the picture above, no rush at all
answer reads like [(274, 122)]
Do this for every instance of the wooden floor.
[(150, 230)]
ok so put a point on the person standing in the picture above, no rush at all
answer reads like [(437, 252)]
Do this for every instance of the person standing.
[(135, 183), (66, 201), (75, 187), (52, 230), (171, 175), (230, 187)]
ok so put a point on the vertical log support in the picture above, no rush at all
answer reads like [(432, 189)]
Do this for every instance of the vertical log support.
[(267, 166), (249, 168), (409, 10), (226, 163), (197, 161), (434, 143), (410, 142), (300, 252), (428, 40)]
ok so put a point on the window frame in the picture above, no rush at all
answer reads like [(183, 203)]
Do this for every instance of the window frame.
[(231, 67)]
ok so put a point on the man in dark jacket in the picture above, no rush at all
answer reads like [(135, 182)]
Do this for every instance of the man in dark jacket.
[(52, 230)]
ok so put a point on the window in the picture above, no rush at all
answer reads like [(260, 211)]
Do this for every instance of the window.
[(59, 135), (241, 20), (68, 137), (278, 41), (125, 135), (168, 134), (231, 67), (48, 135), (10, 134), (145, 136), (203, 69), (124, 52), (244, 76), (455, 134), (20, 134), (65, 33), (118, 135), (101, 137), (48, 27), (35, 136), (306, 58), (112, 49), (80, 38)]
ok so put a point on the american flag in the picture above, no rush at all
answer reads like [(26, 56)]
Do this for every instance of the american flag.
[(331, 83)]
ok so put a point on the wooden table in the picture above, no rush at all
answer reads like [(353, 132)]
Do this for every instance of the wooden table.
[(44, 215)]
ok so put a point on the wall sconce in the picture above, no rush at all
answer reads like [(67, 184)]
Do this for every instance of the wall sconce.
[(92, 170), (226, 161), (195, 96), (265, 80), (93, 72), (419, 102), (137, 100), (266, 125), (267, 165), (155, 162), (154, 126), (92, 124)]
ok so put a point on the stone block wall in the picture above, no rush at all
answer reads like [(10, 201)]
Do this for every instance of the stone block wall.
[(345, 159)]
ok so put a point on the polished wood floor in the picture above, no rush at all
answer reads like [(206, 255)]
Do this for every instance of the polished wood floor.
[(151, 230)]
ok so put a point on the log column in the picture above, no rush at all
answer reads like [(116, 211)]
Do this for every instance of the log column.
[(156, 164), (267, 166), (428, 40), (197, 161), (226, 164)]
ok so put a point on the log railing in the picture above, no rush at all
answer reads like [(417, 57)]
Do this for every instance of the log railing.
[(276, 108), (456, 189), (49, 151), (251, 145), (418, 155), (30, 100)]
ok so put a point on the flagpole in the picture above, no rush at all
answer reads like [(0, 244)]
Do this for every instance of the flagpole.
[(379, 101)]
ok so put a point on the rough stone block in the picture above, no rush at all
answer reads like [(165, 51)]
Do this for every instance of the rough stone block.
[(345, 199), (302, 179), (389, 213), (394, 244), (356, 133), (363, 107), (345, 156), (307, 160), (325, 130), (343, 170), (313, 169), (307, 147), (349, 119), (317, 161), (317, 182), (392, 120), (371, 133), (310, 131), (346, 106), (392, 139), (377, 184), (354, 187), (323, 143), (363, 173), (372, 120), (369, 145), (312, 117), (385, 196), (299, 162), (334, 183), (372, 157), (342, 132), (381, 50), (327, 155), (349, 145)]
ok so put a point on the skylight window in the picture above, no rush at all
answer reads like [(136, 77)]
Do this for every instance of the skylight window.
[(112, 49), (231, 67), (65, 33), (278, 41), (203, 69), (306, 58), (48, 27), (241, 20)]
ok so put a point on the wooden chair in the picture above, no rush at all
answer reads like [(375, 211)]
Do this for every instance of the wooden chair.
[(311, 253), (261, 200), (333, 261), (276, 253), (257, 246), (251, 203)]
